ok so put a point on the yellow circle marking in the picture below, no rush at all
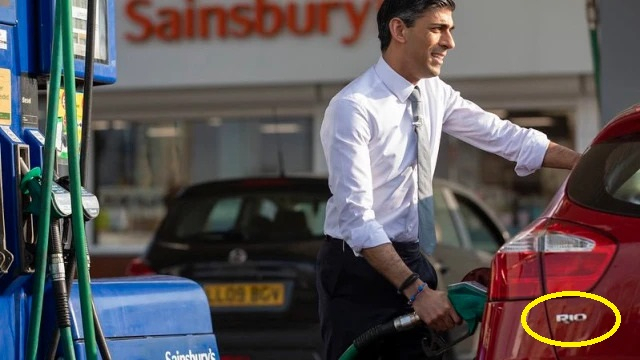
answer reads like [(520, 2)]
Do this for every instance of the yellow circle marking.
[(587, 295)]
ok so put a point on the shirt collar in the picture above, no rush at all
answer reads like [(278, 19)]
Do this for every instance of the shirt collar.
[(398, 85)]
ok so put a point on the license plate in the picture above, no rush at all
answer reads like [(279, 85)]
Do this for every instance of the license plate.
[(237, 295)]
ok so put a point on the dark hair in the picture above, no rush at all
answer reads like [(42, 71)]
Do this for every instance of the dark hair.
[(406, 10)]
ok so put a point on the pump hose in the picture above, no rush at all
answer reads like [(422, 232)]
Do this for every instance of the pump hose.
[(373, 334), (56, 268), (400, 323), (87, 110), (86, 125), (45, 205), (70, 270), (94, 331)]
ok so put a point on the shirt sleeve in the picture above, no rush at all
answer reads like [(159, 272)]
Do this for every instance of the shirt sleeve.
[(468, 122), (345, 136)]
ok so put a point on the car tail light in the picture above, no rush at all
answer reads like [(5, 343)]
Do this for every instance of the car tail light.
[(567, 256), (138, 267)]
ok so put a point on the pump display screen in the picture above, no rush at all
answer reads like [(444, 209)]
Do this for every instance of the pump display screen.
[(79, 13)]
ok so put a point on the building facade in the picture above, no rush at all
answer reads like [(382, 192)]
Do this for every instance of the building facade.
[(212, 89)]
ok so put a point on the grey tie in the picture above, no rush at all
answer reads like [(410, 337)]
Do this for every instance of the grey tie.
[(426, 226)]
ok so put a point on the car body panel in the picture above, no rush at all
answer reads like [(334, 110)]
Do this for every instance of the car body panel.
[(504, 338), (625, 123)]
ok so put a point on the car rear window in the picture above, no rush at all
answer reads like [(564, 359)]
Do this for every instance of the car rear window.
[(250, 216), (607, 177)]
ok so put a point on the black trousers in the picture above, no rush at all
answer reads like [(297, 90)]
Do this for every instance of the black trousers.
[(354, 297)]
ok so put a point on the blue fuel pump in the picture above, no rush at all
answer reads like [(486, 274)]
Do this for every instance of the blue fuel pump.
[(157, 317)]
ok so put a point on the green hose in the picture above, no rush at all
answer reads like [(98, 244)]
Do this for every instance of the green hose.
[(77, 219), (45, 206), (350, 353)]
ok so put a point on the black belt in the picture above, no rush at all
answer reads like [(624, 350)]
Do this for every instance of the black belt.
[(399, 246)]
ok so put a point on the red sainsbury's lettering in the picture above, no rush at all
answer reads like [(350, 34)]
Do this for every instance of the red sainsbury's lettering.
[(193, 19)]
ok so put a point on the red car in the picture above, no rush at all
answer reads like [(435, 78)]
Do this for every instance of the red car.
[(588, 240)]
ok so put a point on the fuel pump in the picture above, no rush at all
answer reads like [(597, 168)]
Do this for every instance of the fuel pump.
[(38, 40), (18, 237), (18, 232)]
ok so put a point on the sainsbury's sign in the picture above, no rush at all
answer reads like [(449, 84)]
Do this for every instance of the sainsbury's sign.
[(192, 19)]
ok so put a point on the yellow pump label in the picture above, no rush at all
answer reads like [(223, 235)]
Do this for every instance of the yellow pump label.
[(5, 96)]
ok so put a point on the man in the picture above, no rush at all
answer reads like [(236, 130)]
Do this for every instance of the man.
[(366, 267)]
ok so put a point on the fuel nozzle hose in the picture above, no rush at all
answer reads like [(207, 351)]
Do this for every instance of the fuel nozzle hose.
[(467, 298), (401, 323), (56, 266)]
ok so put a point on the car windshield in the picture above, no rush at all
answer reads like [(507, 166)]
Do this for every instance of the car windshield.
[(253, 216), (608, 178)]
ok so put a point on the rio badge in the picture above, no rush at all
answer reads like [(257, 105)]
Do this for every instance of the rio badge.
[(545, 340)]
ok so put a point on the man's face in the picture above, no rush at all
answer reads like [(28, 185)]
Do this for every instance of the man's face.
[(428, 41)]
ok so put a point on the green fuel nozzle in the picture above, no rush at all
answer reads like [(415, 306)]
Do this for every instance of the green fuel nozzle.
[(468, 299), (31, 184)]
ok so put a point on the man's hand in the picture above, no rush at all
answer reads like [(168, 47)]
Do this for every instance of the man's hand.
[(433, 308)]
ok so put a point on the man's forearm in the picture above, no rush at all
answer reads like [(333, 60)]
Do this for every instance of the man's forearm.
[(386, 261), (560, 157)]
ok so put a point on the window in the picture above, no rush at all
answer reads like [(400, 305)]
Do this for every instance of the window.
[(223, 215), (266, 216), (140, 164), (629, 191), (482, 233), (622, 173), (314, 212), (80, 16), (445, 228), (607, 178)]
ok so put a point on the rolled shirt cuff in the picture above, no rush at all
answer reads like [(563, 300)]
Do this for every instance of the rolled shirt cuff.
[(532, 154), (370, 234)]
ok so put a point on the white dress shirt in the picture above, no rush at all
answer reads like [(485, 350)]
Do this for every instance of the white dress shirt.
[(370, 147)]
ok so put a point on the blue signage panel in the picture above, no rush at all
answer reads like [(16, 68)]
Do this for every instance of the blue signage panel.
[(8, 12), (105, 39), (27, 47)]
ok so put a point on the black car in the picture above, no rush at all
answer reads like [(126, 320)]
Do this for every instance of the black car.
[(252, 244)]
